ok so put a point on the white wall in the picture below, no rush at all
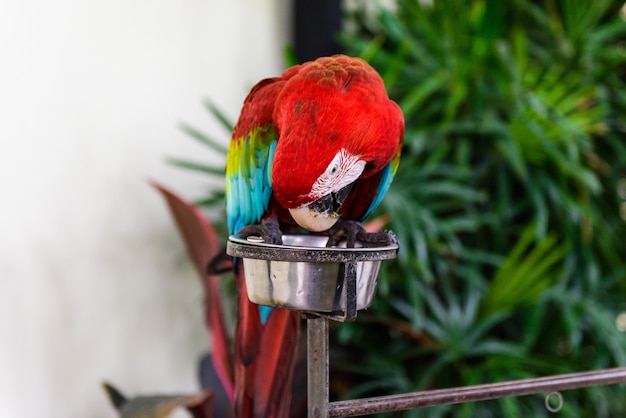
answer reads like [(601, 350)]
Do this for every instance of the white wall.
[(94, 281)]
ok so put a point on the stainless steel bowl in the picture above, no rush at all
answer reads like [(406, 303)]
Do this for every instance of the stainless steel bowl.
[(304, 275)]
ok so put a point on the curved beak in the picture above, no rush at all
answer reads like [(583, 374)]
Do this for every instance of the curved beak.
[(322, 213)]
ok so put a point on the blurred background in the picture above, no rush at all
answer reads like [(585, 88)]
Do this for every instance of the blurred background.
[(94, 281), (510, 201)]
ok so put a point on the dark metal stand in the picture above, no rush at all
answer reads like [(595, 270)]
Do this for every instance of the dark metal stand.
[(317, 362), (320, 407), (550, 385), (317, 343)]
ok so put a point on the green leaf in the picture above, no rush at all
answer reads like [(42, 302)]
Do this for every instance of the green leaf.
[(202, 168), (204, 139), (217, 113), (526, 273), (422, 92)]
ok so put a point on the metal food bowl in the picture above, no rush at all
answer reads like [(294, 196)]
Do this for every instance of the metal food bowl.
[(304, 275)]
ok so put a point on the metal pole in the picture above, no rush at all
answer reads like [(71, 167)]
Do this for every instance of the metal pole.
[(523, 387), (317, 362)]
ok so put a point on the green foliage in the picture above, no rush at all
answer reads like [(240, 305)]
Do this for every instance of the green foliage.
[(525, 274), (505, 203)]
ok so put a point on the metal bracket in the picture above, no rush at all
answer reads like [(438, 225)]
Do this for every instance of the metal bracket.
[(347, 282)]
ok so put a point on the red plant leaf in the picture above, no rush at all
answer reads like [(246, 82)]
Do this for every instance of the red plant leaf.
[(202, 245)]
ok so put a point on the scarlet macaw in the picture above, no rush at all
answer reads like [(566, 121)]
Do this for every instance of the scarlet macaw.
[(319, 144)]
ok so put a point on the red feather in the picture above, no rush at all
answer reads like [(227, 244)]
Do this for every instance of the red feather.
[(324, 106), (265, 357), (277, 358)]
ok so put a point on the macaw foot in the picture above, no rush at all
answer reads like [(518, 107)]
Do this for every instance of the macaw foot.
[(268, 230), (353, 231)]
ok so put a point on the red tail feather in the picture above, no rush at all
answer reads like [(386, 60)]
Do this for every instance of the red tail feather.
[(265, 356), (277, 356)]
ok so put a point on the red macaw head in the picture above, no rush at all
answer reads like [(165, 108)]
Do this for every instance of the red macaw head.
[(336, 124)]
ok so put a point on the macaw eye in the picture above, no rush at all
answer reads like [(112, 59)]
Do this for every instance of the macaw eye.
[(333, 167), (342, 170)]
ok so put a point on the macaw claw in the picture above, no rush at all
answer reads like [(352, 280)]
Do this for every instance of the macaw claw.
[(268, 231), (353, 231)]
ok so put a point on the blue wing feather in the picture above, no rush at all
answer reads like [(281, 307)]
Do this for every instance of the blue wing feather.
[(248, 184), (386, 178), (248, 179)]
